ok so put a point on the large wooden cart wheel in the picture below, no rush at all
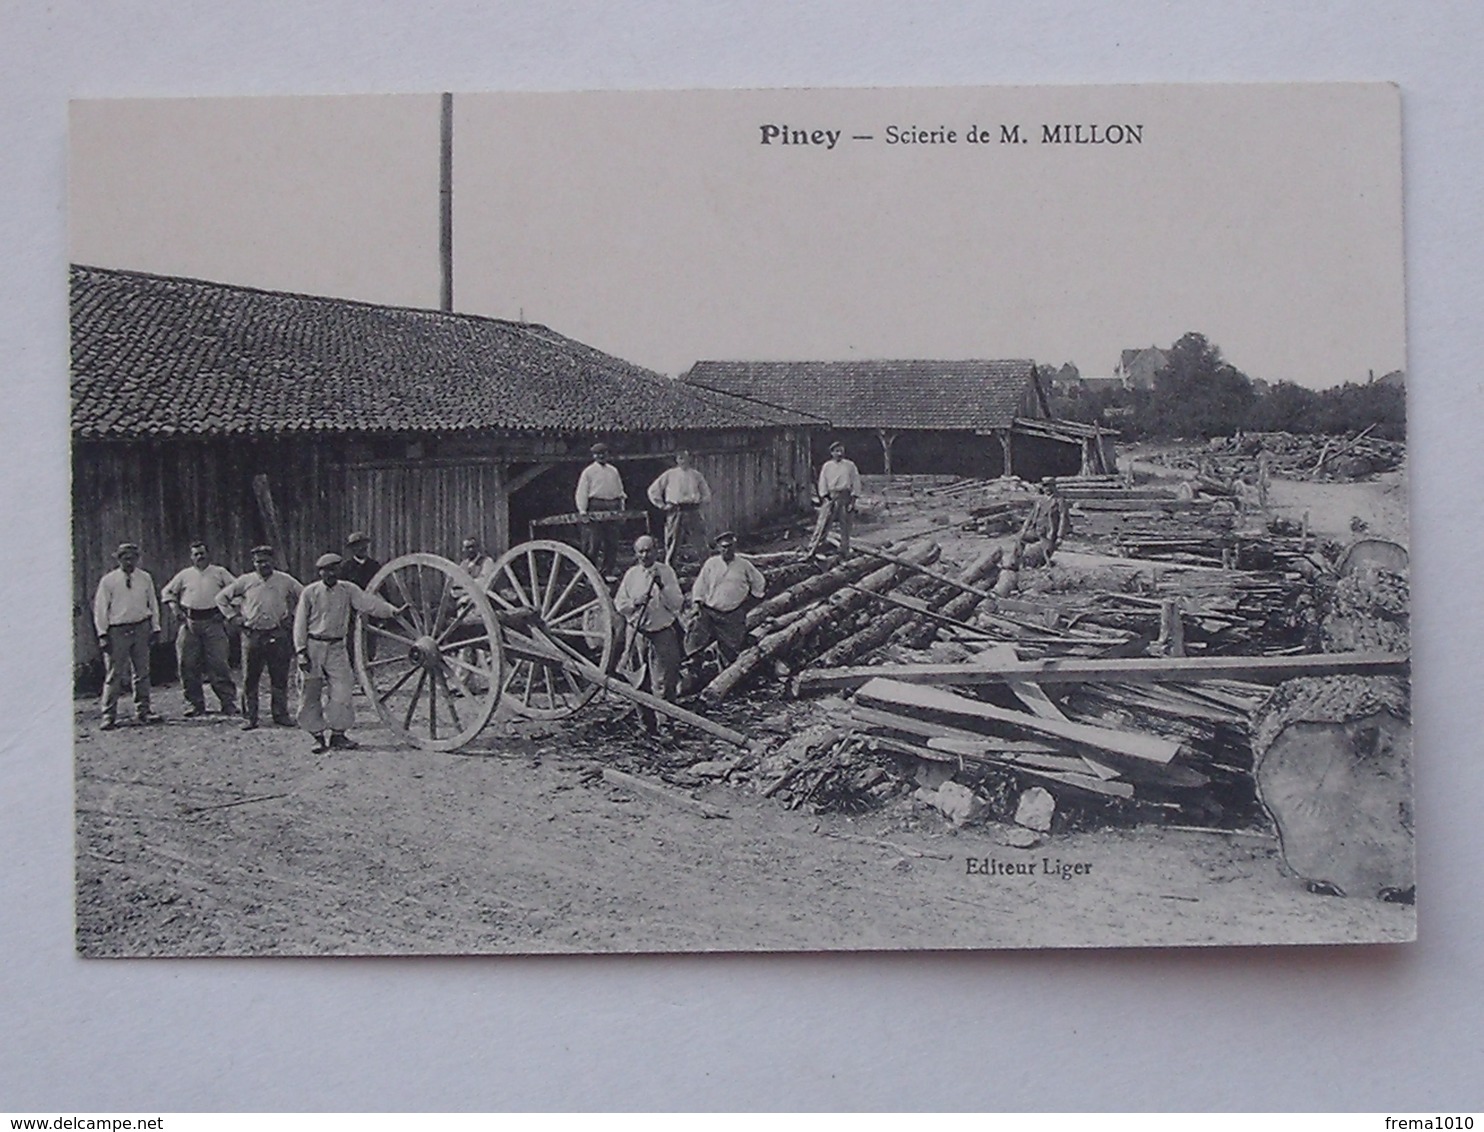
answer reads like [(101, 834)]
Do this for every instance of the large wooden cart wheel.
[(548, 589), (435, 671)]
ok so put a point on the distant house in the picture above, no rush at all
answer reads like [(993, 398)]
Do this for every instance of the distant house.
[(203, 410), (1136, 368), (984, 418)]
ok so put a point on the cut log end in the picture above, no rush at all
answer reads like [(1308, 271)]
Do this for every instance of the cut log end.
[(1333, 768)]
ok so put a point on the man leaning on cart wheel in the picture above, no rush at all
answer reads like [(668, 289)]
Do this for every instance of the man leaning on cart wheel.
[(321, 623)]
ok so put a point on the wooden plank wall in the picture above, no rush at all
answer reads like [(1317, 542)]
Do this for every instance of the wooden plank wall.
[(428, 507), (166, 494), (751, 485)]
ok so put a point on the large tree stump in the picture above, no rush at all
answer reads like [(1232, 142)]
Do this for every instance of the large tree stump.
[(1333, 767)]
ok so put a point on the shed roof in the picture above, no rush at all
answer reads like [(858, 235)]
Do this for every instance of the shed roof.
[(160, 356), (973, 395)]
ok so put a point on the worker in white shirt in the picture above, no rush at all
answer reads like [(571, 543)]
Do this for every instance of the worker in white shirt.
[(680, 492), (321, 622), (126, 615), (839, 484), (261, 603), (649, 599), (600, 488), (726, 587), (201, 643)]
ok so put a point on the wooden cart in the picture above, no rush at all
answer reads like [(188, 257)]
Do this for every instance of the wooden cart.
[(540, 639)]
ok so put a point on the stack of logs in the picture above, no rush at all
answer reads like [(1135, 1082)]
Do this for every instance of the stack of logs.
[(849, 610)]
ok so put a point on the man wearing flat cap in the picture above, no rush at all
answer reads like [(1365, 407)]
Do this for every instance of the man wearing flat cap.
[(681, 492), (725, 589), (359, 567), (261, 603), (839, 484), (126, 615), (321, 622), (600, 488)]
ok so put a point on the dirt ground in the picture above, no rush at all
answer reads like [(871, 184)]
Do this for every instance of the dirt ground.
[(195, 838)]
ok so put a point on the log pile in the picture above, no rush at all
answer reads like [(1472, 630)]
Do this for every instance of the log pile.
[(851, 608), (1292, 456)]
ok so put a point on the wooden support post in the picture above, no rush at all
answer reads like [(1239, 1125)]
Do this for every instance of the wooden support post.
[(263, 493), (1005, 445), (886, 437)]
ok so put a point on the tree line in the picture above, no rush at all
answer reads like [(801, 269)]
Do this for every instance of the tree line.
[(1197, 393)]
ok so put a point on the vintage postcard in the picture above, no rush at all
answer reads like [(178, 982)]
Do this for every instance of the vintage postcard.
[(740, 520)]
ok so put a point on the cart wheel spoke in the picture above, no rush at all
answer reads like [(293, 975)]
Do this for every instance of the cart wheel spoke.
[(572, 613), (525, 601), (441, 599), (448, 700), (411, 668), (574, 610), (422, 678), (553, 608), (389, 635)]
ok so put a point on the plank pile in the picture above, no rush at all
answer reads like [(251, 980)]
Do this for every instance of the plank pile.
[(1110, 739)]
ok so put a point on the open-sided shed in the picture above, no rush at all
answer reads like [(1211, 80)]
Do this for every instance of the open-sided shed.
[(976, 417), (204, 410)]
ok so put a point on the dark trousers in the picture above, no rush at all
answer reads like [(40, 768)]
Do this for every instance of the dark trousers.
[(662, 654), (728, 629), (835, 508), (685, 527), (273, 649), (600, 540), (201, 646), (127, 659)]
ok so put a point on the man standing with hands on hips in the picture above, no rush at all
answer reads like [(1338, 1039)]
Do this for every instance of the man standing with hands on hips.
[(202, 640), (723, 592), (261, 603), (321, 623), (126, 615)]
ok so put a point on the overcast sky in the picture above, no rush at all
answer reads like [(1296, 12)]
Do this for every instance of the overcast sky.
[(658, 227)]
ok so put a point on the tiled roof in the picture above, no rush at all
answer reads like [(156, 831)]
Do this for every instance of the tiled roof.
[(160, 356), (881, 394)]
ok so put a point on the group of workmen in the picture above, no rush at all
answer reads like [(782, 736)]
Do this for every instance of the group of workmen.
[(281, 621), (681, 493)]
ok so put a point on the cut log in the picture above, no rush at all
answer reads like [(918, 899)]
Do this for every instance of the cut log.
[(809, 590), (831, 609), (963, 606), (1333, 768), (649, 789), (896, 695), (1121, 670)]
